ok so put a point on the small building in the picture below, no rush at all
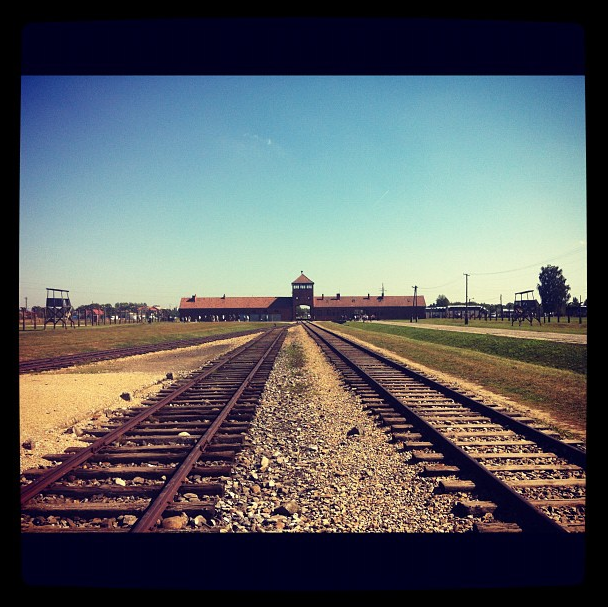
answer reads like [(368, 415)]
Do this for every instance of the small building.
[(148, 313), (576, 310), (302, 305), (97, 316)]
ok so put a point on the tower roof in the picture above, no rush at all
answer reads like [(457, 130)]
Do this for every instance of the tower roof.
[(302, 279)]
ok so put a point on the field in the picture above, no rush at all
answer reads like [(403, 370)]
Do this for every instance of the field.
[(545, 376), (61, 342)]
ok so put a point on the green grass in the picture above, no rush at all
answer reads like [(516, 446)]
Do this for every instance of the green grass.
[(295, 356), (62, 342), (296, 360), (534, 374), (572, 357)]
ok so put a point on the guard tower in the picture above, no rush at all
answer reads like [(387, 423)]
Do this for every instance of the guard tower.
[(302, 298), (58, 308), (525, 308)]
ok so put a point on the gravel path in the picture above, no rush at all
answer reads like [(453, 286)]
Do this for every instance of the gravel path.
[(318, 463)]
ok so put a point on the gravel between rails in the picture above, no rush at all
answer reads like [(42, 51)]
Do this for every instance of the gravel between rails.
[(317, 462)]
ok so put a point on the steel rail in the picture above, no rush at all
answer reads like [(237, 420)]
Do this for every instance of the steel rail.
[(54, 474), (532, 518), (160, 503), (566, 450)]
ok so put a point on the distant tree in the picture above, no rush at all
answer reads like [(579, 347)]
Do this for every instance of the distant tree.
[(553, 290), (575, 301), (442, 300)]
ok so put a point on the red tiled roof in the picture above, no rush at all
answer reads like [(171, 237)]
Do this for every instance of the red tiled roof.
[(302, 279), (358, 301), (232, 303)]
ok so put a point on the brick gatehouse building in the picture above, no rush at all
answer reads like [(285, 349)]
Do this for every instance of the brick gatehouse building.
[(301, 305)]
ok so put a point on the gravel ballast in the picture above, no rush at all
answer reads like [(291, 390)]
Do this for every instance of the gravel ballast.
[(318, 462)]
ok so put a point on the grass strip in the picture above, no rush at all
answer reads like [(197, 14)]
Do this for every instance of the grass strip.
[(571, 357)]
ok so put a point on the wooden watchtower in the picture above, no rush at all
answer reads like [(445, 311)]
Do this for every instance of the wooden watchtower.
[(525, 309), (58, 308)]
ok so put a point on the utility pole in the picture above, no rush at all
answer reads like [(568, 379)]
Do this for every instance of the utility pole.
[(415, 304), (466, 300)]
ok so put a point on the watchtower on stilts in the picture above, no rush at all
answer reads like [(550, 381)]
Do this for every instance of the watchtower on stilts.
[(526, 309), (58, 308)]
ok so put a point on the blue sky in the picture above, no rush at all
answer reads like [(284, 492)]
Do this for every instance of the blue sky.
[(152, 188)]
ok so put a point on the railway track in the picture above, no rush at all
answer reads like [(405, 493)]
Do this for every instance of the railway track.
[(525, 476), (158, 467), (49, 364)]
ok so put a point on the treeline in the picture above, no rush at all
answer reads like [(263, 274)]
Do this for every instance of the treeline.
[(119, 309)]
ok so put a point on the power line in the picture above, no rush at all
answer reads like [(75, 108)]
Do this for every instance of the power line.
[(528, 266)]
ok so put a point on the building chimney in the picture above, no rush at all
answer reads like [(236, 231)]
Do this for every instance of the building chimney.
[(337, 295)]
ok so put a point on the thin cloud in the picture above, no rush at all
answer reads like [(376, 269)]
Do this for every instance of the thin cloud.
[(254, 137)]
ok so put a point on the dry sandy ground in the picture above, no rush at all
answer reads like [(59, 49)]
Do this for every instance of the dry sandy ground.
[(53, 403)]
